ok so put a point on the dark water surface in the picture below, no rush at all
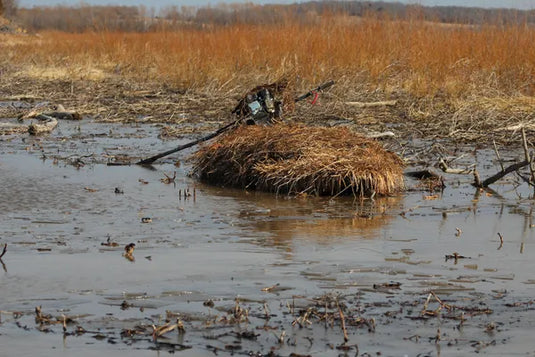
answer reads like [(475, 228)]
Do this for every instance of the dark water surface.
[(222, 244)]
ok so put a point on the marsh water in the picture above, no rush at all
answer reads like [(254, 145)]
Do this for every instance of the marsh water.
[(201, 250)]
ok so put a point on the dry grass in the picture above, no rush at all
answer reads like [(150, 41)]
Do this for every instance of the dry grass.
[(415, 56), (453, 81), (300, 160)]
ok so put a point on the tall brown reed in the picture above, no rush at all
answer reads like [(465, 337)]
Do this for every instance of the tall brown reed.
[(411, 55)]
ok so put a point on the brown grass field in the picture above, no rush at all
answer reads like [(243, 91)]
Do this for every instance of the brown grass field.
[(448, 79)]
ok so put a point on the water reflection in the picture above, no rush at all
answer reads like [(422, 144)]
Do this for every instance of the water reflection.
[(322, 220)]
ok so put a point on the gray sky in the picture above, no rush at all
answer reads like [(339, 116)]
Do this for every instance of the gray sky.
[(519, 4)]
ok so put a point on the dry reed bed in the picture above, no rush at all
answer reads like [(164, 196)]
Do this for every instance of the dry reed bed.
[(450, 81), (415, 56), (297, 159)]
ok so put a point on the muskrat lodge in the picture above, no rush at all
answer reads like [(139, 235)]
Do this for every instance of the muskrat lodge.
[(272, 155)]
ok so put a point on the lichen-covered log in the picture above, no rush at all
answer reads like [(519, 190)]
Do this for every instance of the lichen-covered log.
[(298, 159)]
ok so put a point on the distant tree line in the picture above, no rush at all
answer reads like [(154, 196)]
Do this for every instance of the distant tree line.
[(249, 13), (130, 18), (83, 18)]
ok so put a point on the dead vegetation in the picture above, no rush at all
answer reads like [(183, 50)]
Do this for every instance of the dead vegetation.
[(343, 319), (465, 89), (391, 56), (300, 160)]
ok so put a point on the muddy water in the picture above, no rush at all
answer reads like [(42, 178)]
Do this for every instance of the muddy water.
[(381, 258)]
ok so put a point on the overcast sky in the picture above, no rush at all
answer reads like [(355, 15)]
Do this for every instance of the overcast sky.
[(519, 4)]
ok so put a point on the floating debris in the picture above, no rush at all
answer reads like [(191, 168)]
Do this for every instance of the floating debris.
[(455, 256), (109, 243), (168, 179)]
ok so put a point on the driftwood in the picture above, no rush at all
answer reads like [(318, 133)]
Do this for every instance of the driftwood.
[(379, 135), (386, 103), (45, 125), (59, 113), (45, 122)]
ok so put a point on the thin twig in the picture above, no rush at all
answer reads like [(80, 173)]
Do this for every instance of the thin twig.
[(501, 240), (527, 155), (343, 322), (3, 251), (497, 154)]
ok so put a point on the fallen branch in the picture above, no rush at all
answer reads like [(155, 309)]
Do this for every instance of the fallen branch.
[(221, 130), (499, 175), (4, 251), (528, 160), (234, 124)]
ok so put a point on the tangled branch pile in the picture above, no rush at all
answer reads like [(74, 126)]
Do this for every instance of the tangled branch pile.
[(296, 159)]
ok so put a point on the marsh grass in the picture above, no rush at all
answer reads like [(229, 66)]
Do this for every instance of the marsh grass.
[(449, 80), (414, 56)]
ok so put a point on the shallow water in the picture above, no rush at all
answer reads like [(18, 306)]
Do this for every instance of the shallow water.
[(222, 244)]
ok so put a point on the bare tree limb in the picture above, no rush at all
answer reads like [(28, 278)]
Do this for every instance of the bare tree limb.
[(499, 175)]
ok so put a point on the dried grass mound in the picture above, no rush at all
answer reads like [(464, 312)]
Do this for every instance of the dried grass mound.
[(297, 159)]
